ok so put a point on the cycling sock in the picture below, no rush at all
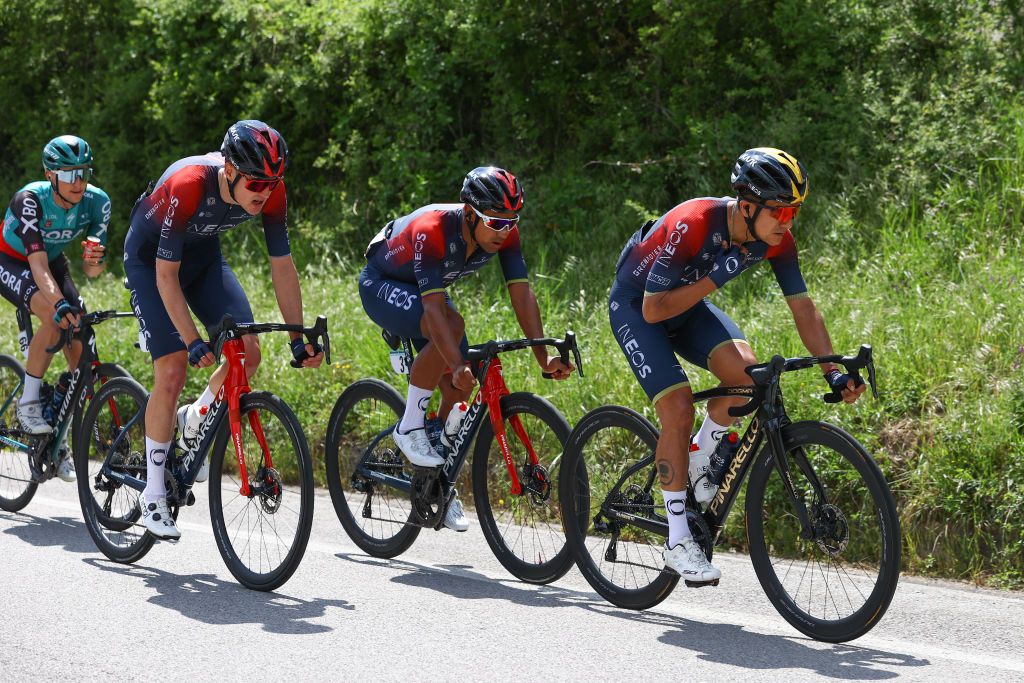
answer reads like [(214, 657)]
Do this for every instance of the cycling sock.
[(710, 434), (675, 506), (31, 392), (156, 456), (415, 408), (206, 399)]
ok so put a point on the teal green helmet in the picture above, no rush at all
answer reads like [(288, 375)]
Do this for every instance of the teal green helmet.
[(65, 151)]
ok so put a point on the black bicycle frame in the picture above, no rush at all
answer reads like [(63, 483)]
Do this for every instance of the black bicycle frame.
[(770, 417)]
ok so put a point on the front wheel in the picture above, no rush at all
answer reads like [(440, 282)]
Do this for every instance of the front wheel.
[(525, 530), (16, 485), (838, 584), (612, 516), (102, 374), (262, 537)]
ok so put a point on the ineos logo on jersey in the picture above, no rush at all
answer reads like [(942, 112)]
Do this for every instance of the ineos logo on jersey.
[(171, 208), (632, 349), (396, 297), (420, 241), (676, 236)]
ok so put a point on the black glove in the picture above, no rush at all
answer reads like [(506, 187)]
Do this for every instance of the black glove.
[(196, 350), (299, 351), (838, 382), (728, 265), (63, 308)]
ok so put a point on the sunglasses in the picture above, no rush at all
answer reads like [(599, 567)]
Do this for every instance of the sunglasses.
[(782, 214), (70, 175), (259, 184), (497, 224)]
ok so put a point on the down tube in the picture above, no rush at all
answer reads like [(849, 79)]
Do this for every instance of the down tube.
[(718, 510)]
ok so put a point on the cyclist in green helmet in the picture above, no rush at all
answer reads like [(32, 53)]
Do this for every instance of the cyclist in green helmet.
[(42, 219)]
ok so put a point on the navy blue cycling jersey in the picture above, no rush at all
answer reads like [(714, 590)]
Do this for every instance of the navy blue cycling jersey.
[(426, 247), (185, 209), (680, 248)]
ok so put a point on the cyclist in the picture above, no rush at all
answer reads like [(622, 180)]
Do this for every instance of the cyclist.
[(43, 218), (411, 262), (174, 263), (657, 309)]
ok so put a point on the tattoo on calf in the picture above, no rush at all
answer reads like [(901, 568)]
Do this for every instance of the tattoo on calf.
[(666, 473)]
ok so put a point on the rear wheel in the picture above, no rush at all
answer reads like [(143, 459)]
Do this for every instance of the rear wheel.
[(622, 561), (838, 584), (101, 374), (16, 485), (525, 530), (263, 536), (112, 441), (359, 435)]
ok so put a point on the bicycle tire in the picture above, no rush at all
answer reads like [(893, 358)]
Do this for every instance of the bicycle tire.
[(844, 469), (103, 373), (345, 446), (16, 485), (527, 510), (605, 444), (118, 535), (274, 498)]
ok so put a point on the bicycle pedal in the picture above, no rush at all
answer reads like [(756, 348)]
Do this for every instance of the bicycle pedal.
[(701, 584)]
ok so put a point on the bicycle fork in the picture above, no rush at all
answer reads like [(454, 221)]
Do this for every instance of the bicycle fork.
[(236, 379), (493, 390)]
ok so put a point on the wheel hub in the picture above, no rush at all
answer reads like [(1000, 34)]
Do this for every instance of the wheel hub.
[(269, 487), (537, 483), (831, 530)]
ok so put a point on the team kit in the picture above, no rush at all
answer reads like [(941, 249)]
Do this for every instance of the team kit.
[(392, 463)]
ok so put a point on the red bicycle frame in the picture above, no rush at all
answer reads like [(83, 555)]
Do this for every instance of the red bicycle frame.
[(235, 385), (490, 392)]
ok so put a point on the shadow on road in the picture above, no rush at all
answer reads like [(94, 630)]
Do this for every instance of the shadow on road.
[(712, 642), (205, 598), (68, 533)]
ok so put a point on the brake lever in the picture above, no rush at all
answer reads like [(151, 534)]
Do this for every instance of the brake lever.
[(313, 335)]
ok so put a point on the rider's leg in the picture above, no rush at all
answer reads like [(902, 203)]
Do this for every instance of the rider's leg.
[(47, 335), (727, 362), (425, 374), (672, 458), (168, 381)]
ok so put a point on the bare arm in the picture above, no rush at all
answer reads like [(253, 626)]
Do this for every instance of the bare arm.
[(811, 326), (174, 300), (40, 266), (289, 301), (524, 303), (665, 305)]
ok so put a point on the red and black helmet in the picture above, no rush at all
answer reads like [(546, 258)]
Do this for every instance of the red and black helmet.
[(488, 188), (255, 149)]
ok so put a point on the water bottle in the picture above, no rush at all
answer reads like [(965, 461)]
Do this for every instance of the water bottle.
[(433, 426), (60, 390), (722, 457), (454, 423)]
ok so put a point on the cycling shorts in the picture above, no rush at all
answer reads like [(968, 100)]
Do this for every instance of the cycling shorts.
[(397, 306), (210, 287), (18, 286), (651, 348)]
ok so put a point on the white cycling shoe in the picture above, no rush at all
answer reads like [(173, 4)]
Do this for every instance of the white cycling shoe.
[(455, 519), (690, 562), (30, 415), (66, 468), (157, 518), (415, 446)]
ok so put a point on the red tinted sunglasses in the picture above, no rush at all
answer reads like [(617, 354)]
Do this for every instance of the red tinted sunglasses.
[(259, 184), (782, 214)]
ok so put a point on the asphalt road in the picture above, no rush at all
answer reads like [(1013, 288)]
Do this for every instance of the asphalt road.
[(445, 610)]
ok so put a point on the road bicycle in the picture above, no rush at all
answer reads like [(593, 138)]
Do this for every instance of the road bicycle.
[(27, 460), (261, 495), (383, 501), (822, 530)]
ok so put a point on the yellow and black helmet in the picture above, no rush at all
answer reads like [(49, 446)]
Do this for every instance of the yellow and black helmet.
[(766, 174)]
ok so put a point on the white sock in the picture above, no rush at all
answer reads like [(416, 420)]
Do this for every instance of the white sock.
[(31, 392), (206, 399), (710, 434), (675, 507), (415, 408), (156, 457)]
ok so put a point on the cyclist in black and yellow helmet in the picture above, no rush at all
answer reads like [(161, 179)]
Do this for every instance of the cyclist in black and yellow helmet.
[(658, 310)]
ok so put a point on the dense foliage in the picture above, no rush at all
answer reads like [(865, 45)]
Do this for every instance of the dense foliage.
[(906, 113)]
